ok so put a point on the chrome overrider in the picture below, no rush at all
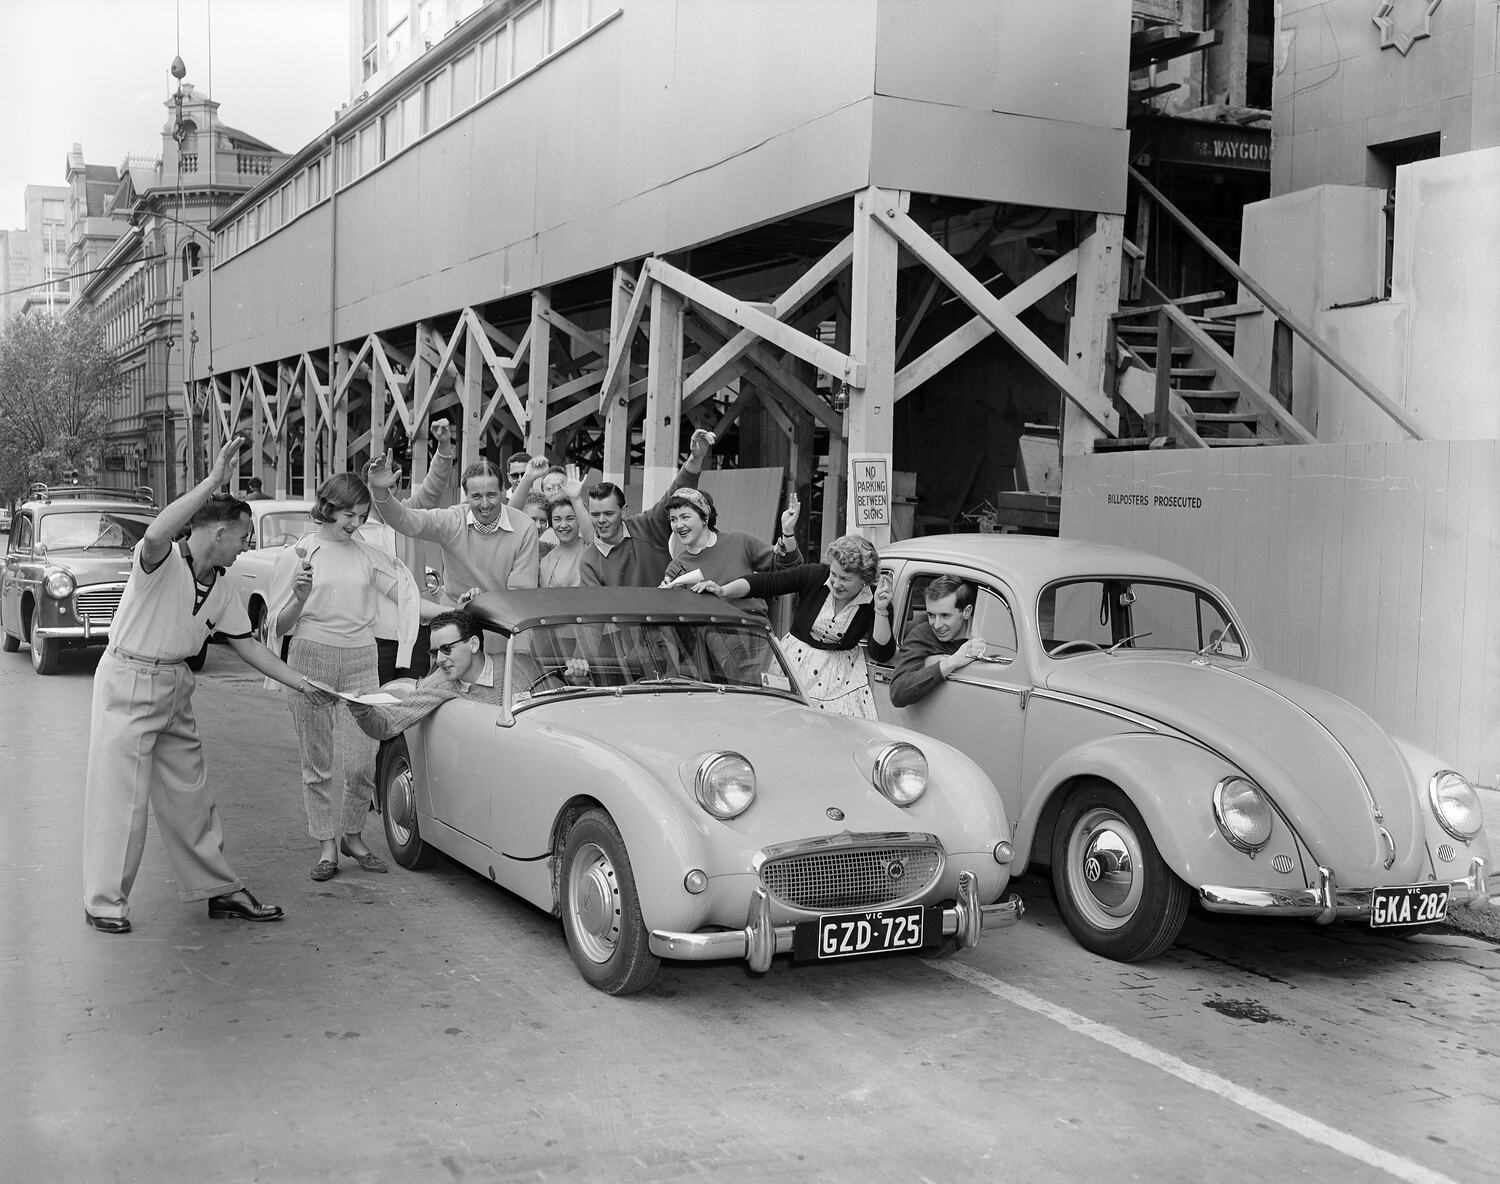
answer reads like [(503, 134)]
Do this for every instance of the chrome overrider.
[(1326, 901), (760, 940)]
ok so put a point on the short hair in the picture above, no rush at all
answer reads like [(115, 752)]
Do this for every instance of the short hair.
[(219, 509), (856, 555), (607, 489), (480, 468), (559, 502), (688, 498), (535, 498), (462, 621), (554, 469), (517, 458), (254, 483), (961, 590), (344, 491)]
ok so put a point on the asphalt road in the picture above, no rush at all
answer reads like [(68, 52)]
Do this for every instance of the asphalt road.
[(429, 1027)]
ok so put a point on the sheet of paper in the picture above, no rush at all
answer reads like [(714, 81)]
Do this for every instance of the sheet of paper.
[(688, 578), (372, 699)]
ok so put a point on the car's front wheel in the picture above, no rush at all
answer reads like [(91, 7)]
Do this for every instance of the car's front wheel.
[(601, 911), (1114, 890), (396, 786), (45, 654)]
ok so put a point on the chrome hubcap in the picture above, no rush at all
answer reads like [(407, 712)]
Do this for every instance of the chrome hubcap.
[(594, 903), (1103, 869), (399, 807)]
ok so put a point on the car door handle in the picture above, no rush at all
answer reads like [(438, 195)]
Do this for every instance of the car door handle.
[(880, 675)]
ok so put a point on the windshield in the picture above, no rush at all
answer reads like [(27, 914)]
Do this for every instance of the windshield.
[(645, 656), (277, 530), (1079, 616), (91, 528)]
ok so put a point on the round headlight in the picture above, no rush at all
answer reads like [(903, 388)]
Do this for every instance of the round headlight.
[(1456, 804), (1243, 814), (725, 785), (59, 584), (901, 773)]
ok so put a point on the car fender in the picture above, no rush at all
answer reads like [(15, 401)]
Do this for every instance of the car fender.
[(1178, 814), (1424, 765)]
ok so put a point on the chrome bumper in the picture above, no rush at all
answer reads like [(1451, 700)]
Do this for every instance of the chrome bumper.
[(1327, 901), (760, 941), (85, 632)]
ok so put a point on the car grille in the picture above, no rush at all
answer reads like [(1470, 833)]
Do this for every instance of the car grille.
[(852, 874), (98, 604)]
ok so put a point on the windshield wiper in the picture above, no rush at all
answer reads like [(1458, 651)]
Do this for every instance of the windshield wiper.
[(679, 680), (1123, 640)]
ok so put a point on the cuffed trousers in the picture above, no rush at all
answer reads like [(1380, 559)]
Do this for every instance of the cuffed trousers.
[(318, 728), (144, 747)]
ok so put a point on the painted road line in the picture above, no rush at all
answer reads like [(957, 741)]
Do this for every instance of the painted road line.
[(1298, 1123)]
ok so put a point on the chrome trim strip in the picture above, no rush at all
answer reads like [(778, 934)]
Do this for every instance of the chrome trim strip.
[(1102, 709), (760, 941), (1327, 901)]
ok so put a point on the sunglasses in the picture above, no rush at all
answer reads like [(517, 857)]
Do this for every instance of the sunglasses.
[(446, 650)]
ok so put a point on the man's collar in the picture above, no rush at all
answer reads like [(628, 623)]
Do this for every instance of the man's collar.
[(485, 677), (503, 521), (606, 548)]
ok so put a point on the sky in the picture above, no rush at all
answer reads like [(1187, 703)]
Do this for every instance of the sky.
[(97, 72)]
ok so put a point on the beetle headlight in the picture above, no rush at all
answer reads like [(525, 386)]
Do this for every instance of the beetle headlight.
[(1243, 814), (59, 584), (1456, 804), (901, 773), (725, 785)]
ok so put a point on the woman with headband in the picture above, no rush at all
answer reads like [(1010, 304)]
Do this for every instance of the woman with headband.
[(709, 554)]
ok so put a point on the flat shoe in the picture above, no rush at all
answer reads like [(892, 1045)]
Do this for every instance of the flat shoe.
[(107, 924), (369, 860), (242, 906), (324, 869)]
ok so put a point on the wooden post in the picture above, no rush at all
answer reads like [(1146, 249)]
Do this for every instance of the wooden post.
[(663, 393), (257, 434), (540, 371), (872, 340), (377, 407), (471, 396), (616, 409), (311, 429), (1096, 295), (1161, 416), (340, 412), (282, 487), (421, 383)]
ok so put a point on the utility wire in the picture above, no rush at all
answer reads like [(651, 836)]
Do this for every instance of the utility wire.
[(78, 275)]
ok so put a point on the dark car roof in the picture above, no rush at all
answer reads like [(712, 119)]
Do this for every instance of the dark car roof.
[(523, 607)]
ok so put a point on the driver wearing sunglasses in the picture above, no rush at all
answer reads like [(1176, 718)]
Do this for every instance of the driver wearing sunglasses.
[(460, 670)]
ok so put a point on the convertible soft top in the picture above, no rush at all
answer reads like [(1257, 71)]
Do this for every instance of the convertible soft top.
[(522, 608)]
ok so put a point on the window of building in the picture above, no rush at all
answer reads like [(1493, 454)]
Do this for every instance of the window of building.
[(426, 20), (1380, 172), (192, 260), (52, 209), (348, 156), (396, 42), (411, 118), (390, 133), (369, 148), (315, 175), (465, 76), (369, 64), (569, 19), (435, 101), (530, 37)]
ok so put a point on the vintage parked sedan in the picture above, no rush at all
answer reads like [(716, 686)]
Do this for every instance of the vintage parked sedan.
[(66, 563), (1147, 756), (274, 525), (685, 802)]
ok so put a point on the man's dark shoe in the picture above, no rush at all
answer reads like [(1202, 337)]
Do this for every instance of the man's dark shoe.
[(108, 924), (243, 906)]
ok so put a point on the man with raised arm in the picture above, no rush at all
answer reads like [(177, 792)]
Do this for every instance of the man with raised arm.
[(632, 552), (144, 745)]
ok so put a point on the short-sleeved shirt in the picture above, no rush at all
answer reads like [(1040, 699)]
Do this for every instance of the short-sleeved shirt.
[(167, 614)]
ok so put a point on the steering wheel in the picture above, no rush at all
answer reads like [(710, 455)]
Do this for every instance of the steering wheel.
[(1080, 645), (559, 672)]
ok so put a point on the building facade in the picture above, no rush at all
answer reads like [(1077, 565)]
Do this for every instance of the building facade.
[(34, 258), (386, 36), (141, 231)]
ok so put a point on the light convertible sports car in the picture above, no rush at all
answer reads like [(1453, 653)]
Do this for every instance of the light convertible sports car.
[(1148, 757), (681, 799)]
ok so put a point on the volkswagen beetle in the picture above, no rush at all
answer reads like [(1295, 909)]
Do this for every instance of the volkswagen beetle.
[(685, 802), (1145, 754)]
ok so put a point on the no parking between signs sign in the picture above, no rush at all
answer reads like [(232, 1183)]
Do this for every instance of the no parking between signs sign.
[(870, 490)]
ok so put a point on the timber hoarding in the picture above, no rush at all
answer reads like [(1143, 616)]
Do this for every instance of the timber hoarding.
[(1371, 570)]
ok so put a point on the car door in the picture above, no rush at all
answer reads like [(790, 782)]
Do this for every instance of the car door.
[(458, 744), (981, 708), (13, 575)]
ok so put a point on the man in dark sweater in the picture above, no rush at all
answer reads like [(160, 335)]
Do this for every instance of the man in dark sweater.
[(632, 552), (935, 648)]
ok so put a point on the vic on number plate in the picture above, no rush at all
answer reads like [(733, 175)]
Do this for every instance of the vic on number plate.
[(1418, 904), (844, 935)]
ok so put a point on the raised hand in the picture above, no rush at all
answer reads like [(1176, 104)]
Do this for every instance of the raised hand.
[(442, 436), (382, 472), (536, 466), (884, 594), (225, 460), (790, 515), (701, 444)]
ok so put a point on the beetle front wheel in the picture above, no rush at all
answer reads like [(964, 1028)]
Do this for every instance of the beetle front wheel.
[(1114, 890), (601, 911)]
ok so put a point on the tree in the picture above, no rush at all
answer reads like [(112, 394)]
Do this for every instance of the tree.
[(56, 379)]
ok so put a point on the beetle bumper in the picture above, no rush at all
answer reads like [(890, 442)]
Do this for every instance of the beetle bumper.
[(1328, 901), (760, 940)]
